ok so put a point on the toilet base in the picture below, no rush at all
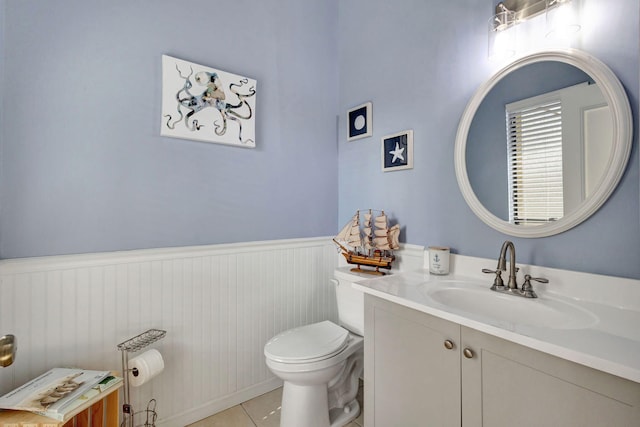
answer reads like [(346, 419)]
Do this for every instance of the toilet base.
[(307, 403), (340, 417), (310, 403)]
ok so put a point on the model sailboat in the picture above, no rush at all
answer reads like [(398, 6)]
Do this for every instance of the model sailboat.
[(369, 244)]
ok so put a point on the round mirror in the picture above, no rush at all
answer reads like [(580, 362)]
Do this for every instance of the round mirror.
[(543, 143)]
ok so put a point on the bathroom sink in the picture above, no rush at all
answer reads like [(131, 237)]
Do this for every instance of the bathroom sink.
[(545, 312)]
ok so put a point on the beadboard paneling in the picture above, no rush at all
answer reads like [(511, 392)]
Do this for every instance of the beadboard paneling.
[(219, 305)]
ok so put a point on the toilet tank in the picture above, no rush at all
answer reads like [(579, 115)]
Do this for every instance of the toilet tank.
[(350, 301)]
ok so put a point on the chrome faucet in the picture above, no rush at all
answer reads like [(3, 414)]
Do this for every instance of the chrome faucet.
[(512, 285), (502, 263)]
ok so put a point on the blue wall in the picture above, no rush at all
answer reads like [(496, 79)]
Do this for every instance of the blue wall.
[(419, 65), (83, 166)]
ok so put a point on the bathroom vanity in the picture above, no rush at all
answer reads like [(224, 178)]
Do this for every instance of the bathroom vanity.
[(448, 351)]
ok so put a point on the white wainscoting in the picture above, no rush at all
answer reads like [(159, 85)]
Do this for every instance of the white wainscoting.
[(219, 305)]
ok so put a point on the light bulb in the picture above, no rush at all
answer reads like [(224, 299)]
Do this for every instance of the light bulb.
[(562, 21)]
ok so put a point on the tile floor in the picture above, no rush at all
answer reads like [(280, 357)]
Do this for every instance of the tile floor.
[(263, 411)]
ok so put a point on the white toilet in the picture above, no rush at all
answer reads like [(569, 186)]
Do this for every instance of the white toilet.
[(321, 364)]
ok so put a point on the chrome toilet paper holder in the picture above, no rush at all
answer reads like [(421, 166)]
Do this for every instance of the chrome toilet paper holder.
[(131, 345)]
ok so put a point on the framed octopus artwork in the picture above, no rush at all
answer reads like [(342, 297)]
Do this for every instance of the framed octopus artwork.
[(206, 104)]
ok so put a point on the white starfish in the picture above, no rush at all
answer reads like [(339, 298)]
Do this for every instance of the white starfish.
[(397, 153)]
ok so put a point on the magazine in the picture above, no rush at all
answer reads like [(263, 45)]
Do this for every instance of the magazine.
[(50, 393), (102, 386)]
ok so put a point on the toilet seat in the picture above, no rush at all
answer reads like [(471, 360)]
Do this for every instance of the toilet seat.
[(307, 344)]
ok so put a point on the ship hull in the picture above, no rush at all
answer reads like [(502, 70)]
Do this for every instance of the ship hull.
[(377, 261)]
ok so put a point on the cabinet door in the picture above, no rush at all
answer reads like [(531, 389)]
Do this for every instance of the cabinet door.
[(506, 384), (411, 378)]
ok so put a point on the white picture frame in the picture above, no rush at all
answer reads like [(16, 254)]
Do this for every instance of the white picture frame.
[(359, 122), (397, 151)]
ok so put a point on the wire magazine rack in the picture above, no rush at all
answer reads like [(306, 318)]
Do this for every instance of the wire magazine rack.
[(131, 345)]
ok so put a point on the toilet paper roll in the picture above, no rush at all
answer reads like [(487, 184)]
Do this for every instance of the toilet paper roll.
[(148, 365)]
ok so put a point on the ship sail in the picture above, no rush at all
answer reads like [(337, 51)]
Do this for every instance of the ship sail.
[(381, 221), (394, 234), (350, 233), (381, 232), (367, 231)]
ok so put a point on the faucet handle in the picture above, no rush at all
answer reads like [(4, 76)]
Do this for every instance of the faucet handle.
[(498, 282), (527, 278), (527, 289)]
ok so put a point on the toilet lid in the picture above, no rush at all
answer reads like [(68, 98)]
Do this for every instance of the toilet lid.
[(309, 343)]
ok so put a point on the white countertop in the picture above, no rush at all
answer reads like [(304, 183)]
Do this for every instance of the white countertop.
[(610, 342)]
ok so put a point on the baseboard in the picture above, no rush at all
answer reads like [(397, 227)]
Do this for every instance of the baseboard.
[(215, 406)]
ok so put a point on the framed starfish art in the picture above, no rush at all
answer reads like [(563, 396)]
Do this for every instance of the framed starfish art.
[(397, 151)]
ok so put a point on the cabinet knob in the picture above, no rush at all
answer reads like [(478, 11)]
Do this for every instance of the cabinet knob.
[(468, 353), (448, 344)]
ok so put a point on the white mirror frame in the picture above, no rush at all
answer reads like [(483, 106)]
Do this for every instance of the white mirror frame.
[(616, 98)]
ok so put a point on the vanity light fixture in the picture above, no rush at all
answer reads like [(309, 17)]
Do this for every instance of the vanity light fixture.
[(561, 22), (502, 35), (562, 19)]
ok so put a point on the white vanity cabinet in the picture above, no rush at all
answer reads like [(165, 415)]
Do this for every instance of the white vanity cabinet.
[(409, 375), (413, 378)]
